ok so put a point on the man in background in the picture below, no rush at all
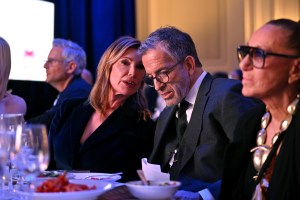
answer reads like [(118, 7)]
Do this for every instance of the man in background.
[(64, 66), (236, 74), (87, 76)]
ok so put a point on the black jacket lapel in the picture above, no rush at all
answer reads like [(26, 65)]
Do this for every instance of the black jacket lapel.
[(195, 126)]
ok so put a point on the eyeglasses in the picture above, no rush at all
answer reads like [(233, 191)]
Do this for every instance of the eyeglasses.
[(162, 76), (50, 61), (257, 55)]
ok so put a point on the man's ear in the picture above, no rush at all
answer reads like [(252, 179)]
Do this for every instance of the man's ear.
[(190, 64), (71, 67), (295, 72)]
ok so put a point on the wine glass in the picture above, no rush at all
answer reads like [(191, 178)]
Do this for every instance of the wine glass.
[(4, 146), (25, 143), (10, 124), (33, 156)]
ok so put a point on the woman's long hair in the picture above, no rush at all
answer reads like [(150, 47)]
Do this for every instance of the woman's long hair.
[(5, 66), (100, 91)]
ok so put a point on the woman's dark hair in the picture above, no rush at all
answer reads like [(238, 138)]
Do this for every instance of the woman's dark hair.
[(293, 40)]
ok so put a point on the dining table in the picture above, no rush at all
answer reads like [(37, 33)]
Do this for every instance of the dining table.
[(118, 191)]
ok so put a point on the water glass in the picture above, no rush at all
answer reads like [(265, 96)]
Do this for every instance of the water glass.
[(10, 127), (33, 157)]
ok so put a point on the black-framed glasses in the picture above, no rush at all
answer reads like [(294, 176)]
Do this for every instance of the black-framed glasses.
[(257, 55), (162, 76)]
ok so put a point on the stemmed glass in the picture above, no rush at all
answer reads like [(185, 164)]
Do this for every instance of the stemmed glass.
[(33, 157), (25, 142), (10, 124), (4, 147)]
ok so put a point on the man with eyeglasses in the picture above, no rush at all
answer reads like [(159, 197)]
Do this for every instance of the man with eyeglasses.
[(64, 66), (196, 126)]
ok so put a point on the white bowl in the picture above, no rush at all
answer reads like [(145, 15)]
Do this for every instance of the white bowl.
[(156, 189)]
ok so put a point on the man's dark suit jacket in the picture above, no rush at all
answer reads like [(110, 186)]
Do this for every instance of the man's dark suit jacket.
[(117, 145), (77, 88), (218, 106)]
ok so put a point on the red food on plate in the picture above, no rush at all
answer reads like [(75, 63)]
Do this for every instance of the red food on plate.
[(61, 184)]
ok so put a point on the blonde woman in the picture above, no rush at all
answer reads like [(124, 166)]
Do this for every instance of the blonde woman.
[(9, 103), (112, 130)]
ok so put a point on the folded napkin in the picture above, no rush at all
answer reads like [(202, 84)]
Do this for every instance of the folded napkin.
[(153, 172)]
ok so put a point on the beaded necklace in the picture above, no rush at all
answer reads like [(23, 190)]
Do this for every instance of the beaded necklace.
[(262, 150)]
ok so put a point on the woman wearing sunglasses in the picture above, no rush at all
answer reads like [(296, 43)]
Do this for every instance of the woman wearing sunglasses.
[(264, 163)]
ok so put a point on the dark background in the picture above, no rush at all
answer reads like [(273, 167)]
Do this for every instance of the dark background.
[(94, 25)]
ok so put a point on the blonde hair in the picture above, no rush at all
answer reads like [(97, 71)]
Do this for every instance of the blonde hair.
[(100, 91), (5, 66)]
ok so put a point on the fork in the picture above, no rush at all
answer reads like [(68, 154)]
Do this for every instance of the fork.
[(107, 176)]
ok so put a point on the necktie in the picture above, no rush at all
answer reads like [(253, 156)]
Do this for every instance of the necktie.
[(181, 124), (182, 119)]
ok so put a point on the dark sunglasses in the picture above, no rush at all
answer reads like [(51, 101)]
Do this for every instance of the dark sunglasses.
[(257, 55)]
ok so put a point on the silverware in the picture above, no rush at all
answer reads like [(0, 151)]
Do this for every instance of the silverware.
[(106, 176), (142, 177)]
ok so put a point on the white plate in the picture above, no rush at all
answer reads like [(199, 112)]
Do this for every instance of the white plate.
[(48, 175), (97, 176), (80, 195), (54, 174)]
